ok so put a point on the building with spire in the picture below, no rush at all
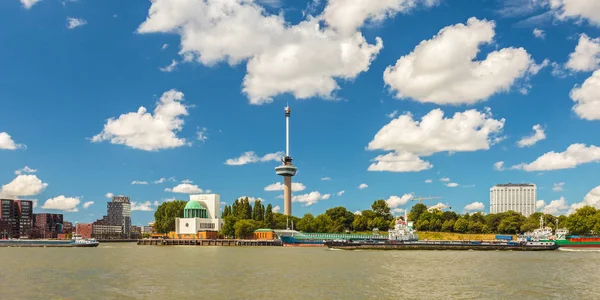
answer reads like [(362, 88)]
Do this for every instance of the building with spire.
[(287, 169)]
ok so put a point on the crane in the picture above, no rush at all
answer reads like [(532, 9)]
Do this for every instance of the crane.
[(421, 198)]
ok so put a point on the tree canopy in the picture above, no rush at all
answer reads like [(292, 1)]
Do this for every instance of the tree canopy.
[(165, 214)]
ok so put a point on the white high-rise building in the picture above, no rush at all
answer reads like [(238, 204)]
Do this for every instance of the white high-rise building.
[(516, 197)]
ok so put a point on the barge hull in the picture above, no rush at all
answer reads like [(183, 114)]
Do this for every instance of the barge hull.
[(444, 247)]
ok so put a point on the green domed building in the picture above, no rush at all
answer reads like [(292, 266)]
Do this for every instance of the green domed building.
[(201, 217)]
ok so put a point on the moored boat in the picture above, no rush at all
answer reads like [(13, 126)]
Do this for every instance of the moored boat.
[(76, 241)]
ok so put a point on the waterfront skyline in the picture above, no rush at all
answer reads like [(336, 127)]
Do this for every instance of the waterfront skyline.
[(76, 74)]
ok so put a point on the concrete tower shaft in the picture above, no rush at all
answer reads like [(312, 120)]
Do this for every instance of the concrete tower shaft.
[(287, 169)]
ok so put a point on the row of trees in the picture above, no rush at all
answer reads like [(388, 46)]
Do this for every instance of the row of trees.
[(242, 218)]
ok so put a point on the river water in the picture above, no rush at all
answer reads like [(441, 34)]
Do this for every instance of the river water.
[(128, 271)]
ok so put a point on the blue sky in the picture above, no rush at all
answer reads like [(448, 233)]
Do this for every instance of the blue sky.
[(74, 75)]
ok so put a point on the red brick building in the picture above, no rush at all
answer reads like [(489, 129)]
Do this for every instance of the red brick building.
[(85, 230)]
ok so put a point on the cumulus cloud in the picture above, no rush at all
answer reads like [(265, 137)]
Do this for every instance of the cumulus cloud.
[(141, 206), (451, 184), (555, 207), (538, 33), (577, 9), (186, 188), (587, 98), (409, 139), (358, 213), (26, 169), (539, 204), (7, 143), (428, 181), (170, 68), (250, 157), (395, 201), (537, 135), (310, 198), (23, 185), (475, 206), (87, 204), (163, 180), (278, 186), (145, 131), (499, 166), (575, 155), (109, 195), (139, 182), (276, 209), (591, 199), (186, 181), (443, 70), (445, 179), (305, 59), (73, 23), (250, 199), (61, 202), (363, 186), (586, 56), (392, 114), (340, 193), (29, 3), (558, 187)]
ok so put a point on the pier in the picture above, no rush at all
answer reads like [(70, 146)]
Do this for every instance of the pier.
[(208, 242)]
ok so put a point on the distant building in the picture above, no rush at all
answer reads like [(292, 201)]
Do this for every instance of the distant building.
[(520, 198), (16, 218), (86, 230), (67, 227), (146, 229), (107, 232), (201, 214), (119, 214), (47, 225)]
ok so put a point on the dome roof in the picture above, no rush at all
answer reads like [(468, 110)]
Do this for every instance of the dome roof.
[(193, 205)]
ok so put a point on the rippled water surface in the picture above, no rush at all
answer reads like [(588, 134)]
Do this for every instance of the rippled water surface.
[(127, 271)]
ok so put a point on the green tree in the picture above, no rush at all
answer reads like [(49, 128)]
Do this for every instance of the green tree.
[(257, 213), (342, 218), (269, 216), (448, 226), (423, 225), (435, 225), (380, 223), (360, 223), (461, 225), (381, 209), (475, 226), (416, 211), (244, 229), (282, 221), (165, 214), (228, 229), (582, 221), (511, 222), (323, 223), (307, 223)]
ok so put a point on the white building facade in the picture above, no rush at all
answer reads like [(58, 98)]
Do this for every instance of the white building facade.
[(520, 198), (202, 213)]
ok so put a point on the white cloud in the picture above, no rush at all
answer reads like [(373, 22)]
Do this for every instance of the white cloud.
[(392, 114), (201, 135), (185, 188), (29, 3), (326, 178), (164, 47), (251, 199), (535, 137), (363, 186), (87, 204), (399, 162), (186, 181), (305, 59), (251, 157), (163, 180), (278, 186), (591, 199), (62, 203), (577, 9), (358, 213), (428, 181), (397, 211), (73, 23), (395, 201), (452, 184), (409, 138), (587, 98), (499, 166), (558, 187), (109, 195), (555, 207), (575, 155), (139, 182), (156, 203), (26, 169), (310, 198), (170, 68), (23, 185), (445, 179), (538, 33), (141, 206), (443, 70), (340, 193), (586, 56), (539, 204), (276, 209), (144, 131), (35, 203), (7, 143), (475, 206)]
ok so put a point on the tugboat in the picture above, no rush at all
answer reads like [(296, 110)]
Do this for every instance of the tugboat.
[(403, 237)]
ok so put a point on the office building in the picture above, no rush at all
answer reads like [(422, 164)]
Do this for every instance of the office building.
[(16, 218), (119, 214), (47, 225), (520, 198)]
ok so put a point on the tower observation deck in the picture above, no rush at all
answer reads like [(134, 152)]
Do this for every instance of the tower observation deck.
[(287, 169)]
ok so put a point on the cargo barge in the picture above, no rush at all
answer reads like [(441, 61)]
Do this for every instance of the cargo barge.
[(562, 237), (293, 238), (76, 241)]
